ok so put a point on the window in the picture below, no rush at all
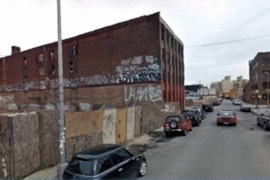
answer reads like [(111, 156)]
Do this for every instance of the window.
[(52, 70), (71, 63), (40, 58), (168, 37), (83, 166), (162, 32), (51, 54), (41, 71), (104, 164), (74, 50), (25, 61)]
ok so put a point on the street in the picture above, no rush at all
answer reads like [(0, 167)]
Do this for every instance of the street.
[(211, 151)]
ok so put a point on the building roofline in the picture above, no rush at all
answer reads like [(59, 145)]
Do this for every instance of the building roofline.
[(104, 30)]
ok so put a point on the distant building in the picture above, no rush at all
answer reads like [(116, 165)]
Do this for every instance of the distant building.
[(226, 84), (216, 85), (259, 71)]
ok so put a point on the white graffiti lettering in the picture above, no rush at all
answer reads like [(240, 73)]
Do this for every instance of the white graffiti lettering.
[(154, 93)]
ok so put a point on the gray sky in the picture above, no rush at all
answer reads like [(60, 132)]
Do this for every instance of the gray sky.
[(204, 26)]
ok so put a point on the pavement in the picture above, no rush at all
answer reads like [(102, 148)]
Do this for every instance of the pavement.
[(140, 143)]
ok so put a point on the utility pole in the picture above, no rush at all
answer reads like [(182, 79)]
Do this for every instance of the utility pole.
[(61, 94), (267, 90)]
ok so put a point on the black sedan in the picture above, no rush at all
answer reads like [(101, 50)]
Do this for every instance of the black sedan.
[(192, 116), (106, 162)]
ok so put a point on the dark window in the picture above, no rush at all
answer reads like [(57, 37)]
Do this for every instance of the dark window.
[(172, 42), (174, 118), (52, 70), (71, 63), (162, 32), (120, 156), (168, 37), (25, 68), (265, 86), (104, 164), (82, 166)]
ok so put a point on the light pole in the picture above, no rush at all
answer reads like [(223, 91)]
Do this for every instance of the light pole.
[(62, 138)]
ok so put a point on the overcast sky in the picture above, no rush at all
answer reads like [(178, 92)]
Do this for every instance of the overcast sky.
[(219, 36)]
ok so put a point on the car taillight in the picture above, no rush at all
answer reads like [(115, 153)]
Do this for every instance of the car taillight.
[(167, 125)]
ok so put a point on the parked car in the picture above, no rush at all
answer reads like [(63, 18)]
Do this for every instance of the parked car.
[(216, 103), (192, 116), (208, 107), (202, 112), (237, 102), (226, 118), (245, 107), (177, 124), (106, 162), (198, 114), (263, 120), (220, 100)]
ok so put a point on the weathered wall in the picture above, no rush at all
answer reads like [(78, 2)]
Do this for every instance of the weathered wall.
[(121, 126), (138, 121), (109, 126), (131, 123), (82, 143), (49, 137)]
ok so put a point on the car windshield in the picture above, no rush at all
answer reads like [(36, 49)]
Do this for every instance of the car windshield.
[(82, 166), (174, 118), (226, 114)]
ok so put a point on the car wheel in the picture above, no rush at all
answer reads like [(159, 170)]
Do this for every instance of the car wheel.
[(217, 124), (184, 133), (258, 124), (198, 123), (143, 169)]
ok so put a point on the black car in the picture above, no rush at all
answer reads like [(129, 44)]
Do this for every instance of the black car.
[(192, 116), (216, 103), (208, 107), (201, 111), (106, 162)]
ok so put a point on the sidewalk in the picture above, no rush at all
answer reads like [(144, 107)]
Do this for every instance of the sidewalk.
[(138, 143), (258, 110)]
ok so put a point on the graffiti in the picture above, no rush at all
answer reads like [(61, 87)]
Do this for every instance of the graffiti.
[(139, 69), (5, 100), (143, 93), (132, 70)]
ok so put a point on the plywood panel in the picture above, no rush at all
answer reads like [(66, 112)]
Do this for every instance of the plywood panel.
[(82, 123), (121, 126), (130, 123), (109, 124)]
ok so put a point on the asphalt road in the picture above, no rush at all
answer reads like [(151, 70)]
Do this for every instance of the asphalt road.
[(211, 151)]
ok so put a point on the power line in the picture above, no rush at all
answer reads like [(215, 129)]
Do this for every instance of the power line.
[(227, 42)]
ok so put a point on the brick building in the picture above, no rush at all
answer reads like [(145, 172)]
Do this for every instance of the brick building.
[(259, 67), (140, 60)]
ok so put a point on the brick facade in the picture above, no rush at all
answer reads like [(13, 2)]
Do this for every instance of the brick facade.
[(98, 65)]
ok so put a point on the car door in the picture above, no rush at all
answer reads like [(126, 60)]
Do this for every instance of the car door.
[(106, 169), (126, 166)]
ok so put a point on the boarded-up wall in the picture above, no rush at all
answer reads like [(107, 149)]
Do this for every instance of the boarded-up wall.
[(121, 126), (138, 120), (109, 126), (81, 123), (130, 123), (49, 137), (26, 144)]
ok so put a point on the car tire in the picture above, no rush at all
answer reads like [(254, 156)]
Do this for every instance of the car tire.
[(198, 123), (218, 124), (258, 124), (143, 169), (184, 133)]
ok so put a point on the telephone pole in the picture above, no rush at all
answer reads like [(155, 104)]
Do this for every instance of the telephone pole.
[(61, 94)]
